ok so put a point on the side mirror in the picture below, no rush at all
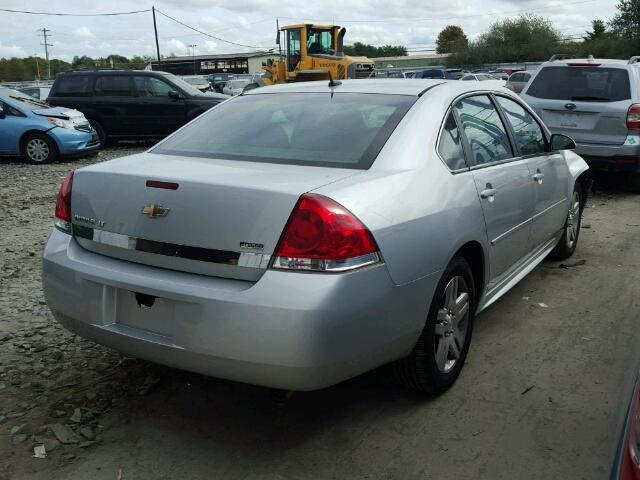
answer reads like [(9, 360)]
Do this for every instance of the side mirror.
[(562, 142), (174, 95)]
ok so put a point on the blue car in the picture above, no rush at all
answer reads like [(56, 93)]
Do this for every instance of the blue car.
[(39, 133)]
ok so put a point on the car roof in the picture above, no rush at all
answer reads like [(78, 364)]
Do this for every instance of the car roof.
[(382, 86), (601, 62)]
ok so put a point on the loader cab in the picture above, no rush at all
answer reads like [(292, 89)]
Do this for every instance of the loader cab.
[(312, 40)]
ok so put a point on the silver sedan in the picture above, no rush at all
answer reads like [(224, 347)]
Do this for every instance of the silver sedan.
[(298, 235)]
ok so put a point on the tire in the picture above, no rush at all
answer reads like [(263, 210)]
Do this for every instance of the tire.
[(102, 135), (432, 366), (38, 149), (571, 231), (634, 182)]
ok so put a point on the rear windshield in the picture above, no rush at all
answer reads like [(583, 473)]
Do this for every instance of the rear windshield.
[(588, 84), (344, 130)]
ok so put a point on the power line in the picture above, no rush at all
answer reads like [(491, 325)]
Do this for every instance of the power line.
[(405, 20), (205, 33), (74, 14)]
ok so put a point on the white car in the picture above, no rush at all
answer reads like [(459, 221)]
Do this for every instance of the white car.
[(236, 86)]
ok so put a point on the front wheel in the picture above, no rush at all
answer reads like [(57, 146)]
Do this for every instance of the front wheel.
[(438, 356), (102, 135), (571, 231), (39, 148)]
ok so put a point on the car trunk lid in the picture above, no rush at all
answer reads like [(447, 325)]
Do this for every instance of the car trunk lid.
[(206, 216)]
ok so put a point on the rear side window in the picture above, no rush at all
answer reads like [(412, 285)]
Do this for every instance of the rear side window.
[(484, 130), (343, 130), (528, 133), (72, 86), (587, 84), (113, 85), (450, 145), (517, 77)]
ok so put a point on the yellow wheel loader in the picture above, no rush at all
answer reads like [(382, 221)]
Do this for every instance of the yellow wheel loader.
[(314, 52)]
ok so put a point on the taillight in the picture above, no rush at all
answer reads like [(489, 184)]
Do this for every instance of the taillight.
[(630, 468), (633, 117), (323, 236), (63, 204)]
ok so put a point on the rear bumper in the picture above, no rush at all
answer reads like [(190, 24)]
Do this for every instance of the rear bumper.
[(293, 331), (623, 158)]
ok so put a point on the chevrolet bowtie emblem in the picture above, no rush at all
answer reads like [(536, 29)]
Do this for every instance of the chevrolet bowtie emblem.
[(155, 211)]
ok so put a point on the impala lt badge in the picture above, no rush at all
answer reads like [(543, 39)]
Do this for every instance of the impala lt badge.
[(155, 211)]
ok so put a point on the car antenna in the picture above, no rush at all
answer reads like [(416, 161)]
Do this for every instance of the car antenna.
[(332, 82)]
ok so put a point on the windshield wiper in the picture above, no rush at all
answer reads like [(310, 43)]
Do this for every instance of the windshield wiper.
[(28, 100), (587, 98)]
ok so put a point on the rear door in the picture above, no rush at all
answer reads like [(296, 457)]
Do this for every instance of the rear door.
[(158, 114), (587, 102), (549, 171), (503, 183), (115, 103)]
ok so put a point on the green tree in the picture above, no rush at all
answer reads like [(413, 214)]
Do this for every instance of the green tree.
[(451, 39), (525, 38), (626, 23), (599, 30), (365, 50)]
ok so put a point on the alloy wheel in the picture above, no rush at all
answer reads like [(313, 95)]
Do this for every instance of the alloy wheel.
[(38, 150), (573, 221), (451, 324)]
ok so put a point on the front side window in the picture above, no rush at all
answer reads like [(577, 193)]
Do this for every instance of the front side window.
[(151, 87), (9, 110), (320, 42), (450, 145), (484, 130), (293, 49), (113, 85), (343, 130), (529, 136), (586, 84)]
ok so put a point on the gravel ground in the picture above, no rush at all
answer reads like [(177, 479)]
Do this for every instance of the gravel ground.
[(539, 396)]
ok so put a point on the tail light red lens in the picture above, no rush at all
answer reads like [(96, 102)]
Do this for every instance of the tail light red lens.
[(630, 469), (633, 117), (322, 235), (63, 204)]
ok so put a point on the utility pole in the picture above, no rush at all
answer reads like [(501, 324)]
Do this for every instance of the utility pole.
[(35, 55), (193, 54), (46, 51), (155, 29)]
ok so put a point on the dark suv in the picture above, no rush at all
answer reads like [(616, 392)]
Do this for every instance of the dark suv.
[(123, 104)]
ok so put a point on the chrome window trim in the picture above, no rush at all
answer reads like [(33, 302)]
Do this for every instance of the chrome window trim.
[(489, 94)]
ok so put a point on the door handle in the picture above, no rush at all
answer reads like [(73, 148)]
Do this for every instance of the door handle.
[(489, 192), (538, 176)]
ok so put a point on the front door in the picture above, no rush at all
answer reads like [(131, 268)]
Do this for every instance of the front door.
[(158, 113), (503, 183), (10, 125), (293, 49), (549, 171)]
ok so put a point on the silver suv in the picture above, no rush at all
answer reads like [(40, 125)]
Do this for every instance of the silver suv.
[(597, 103)]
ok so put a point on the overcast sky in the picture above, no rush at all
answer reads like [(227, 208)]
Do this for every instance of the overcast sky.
[(252, 22)]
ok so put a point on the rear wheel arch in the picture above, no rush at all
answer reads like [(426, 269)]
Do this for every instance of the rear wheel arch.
[(473, 253)]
